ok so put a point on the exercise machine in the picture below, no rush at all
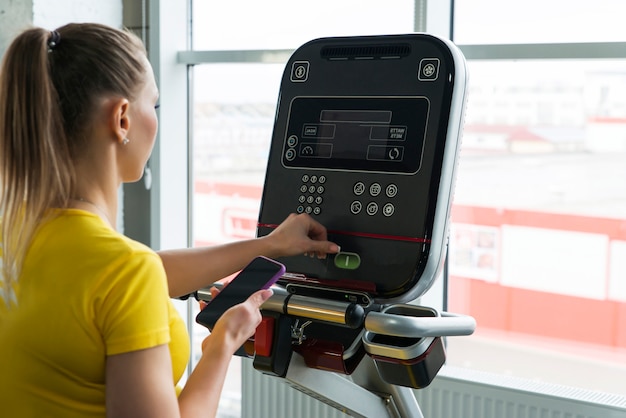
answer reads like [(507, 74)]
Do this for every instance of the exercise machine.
[(366, 140)]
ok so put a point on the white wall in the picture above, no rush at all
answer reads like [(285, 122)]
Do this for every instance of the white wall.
[(52, 14), (15, 16)]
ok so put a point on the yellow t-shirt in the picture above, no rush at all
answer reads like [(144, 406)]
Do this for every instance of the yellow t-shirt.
[(85, 292)]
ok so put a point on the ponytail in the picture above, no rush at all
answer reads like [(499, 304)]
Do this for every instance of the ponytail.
[(35, 168)]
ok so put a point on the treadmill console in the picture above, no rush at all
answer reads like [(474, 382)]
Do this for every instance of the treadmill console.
[(366, 140)]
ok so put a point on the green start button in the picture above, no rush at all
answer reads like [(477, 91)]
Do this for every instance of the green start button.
[(348, 261)]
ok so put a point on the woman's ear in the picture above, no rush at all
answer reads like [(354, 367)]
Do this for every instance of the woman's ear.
[(119, 119)]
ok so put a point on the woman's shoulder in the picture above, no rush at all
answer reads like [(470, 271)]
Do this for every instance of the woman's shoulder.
[(83, 232)]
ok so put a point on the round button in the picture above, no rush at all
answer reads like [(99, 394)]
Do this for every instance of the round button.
[(359, 188), (300, 209), (318, 200), (292, 141), (322, 179), (317, 210), (375, 189), (310, 199), (308, 209), (290, 154), (311, 189), (305, 178), (313, 179), (388, 209), (320, 189), (372, 208), (356, 206), (303, 188), (301, 198), (391, 190)]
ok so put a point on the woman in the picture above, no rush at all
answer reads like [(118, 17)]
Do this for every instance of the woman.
[(87, 328)]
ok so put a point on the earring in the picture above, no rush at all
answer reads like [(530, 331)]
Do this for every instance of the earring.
[(125, 141)]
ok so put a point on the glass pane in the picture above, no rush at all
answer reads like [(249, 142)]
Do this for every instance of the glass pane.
[(538, 237), (285, 24), (233, 118), (538, 21)]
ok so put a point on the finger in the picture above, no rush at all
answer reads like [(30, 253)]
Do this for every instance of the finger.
[(259, 297), (317, 231), (321, 248)]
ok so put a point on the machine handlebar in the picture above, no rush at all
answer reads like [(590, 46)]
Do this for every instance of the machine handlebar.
[(448, 324)]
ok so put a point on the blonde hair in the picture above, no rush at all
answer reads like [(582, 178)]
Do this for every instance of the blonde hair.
[(49, 84)]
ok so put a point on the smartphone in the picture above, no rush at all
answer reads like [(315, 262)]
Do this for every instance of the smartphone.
[(261, 273)]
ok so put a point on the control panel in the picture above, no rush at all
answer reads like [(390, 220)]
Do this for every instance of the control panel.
[(366, 141)]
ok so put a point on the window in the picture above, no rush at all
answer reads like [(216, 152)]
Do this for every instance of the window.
[(538, 224), (538, 233), (280, 24), (233, 110), (234, 103), (537, 21)]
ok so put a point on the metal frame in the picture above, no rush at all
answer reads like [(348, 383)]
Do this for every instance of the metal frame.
[(364, 393)]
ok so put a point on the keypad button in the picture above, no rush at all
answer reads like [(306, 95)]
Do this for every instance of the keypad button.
[(388, 209), (355, 207), (375, 189), (359, 188), (372, 208), (391, 190), (312, 188)]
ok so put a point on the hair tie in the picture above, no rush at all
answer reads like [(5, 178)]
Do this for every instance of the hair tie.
[(53, 40)]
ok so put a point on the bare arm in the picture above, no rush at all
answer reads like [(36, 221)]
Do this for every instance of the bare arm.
[(139, 384), (190, 269)]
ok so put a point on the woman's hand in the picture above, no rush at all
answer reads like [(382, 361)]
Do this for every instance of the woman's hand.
[(301, 234), (238, 323)]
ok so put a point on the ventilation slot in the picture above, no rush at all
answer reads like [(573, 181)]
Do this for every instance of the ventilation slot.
[(392, 51)]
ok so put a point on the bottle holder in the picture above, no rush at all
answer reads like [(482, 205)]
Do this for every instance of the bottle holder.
[(405, 360)]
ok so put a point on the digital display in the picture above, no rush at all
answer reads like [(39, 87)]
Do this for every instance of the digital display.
[(356, 133)]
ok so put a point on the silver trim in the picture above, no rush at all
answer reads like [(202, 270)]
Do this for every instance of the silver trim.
[(395, 352), (276, 56), (587, 50)]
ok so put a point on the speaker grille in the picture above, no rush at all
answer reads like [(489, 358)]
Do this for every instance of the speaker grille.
[(346, 52)]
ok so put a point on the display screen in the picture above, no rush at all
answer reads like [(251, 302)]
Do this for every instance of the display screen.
[(356, 133)]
